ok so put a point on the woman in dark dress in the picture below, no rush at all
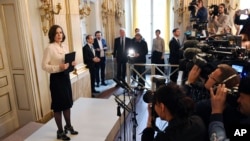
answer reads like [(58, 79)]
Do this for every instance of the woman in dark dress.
[(60, 85)]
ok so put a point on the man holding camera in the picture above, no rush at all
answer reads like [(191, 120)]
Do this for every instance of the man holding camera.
[(201, 11), (220, 21), (245, 31), (223, 74), (218, 102)]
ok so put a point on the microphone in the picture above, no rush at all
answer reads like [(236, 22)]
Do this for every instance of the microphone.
[(189, 53)]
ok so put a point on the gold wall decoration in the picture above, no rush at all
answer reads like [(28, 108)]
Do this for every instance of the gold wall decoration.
[(47, 14), (179, 10), (111, 11), (229, 7), (85, 9)]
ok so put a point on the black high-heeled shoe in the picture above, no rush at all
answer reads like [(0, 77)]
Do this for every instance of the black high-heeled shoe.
[(61, 135), (70, 129)]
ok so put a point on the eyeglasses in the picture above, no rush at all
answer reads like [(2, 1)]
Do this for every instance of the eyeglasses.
[(209, 76)]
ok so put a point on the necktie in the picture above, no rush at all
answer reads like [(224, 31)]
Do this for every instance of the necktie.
[(92, 49), (122, 44), (178, 42)]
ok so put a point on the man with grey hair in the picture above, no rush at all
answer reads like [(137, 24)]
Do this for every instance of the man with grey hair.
[(121, 46)]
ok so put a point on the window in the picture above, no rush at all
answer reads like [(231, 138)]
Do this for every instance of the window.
[(244, 4), (152, 15)]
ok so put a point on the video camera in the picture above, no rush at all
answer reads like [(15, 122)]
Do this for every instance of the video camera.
[(192, 9), (214, 10)]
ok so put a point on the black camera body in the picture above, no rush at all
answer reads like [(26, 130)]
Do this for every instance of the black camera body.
[(192, 9), (214, 10)]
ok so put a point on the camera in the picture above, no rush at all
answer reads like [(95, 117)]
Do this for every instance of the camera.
[(214, 10), (192, 9)]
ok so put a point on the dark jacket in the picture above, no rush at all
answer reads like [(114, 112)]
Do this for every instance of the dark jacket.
[(141, 48), (191, 129), (88, 56), (174, 48), (119, 54), (96, 45), (202, 14)]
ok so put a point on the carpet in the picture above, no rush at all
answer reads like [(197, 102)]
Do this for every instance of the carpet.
[(24, 132)]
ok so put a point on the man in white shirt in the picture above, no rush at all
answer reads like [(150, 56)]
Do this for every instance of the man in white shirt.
[(100, 46)]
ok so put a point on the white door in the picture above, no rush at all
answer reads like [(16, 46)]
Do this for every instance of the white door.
[(8, 111), (15, 96)]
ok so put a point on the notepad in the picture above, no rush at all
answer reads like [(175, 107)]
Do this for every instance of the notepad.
[(69, 58)]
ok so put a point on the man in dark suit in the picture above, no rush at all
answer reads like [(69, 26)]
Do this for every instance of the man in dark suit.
[(174, 55), (121, 46), (90, 60), (100, 46)]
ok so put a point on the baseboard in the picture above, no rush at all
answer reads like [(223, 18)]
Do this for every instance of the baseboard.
[(46, 118)]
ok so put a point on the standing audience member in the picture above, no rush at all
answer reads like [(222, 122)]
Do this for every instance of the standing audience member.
[(218, 103), (100, 46), (172, 105), (219, 22), (137, 30), (201, 11), (141, 50), (60, 85), (90, 59), (174, 55), (121, 46), (158, 51)]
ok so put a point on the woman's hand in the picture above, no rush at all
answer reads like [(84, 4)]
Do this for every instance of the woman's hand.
[(64, 66), (73, 63)]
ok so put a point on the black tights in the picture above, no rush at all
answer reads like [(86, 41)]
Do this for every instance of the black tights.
[(58, 119)]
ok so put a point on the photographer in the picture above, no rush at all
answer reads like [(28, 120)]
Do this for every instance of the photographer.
[(245, 31), (201, 12), (245, 22), (223, 74), (218, 102), (172, 105), (219, 21)]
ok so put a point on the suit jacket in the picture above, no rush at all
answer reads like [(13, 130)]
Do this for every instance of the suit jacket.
[(119, 54), (96, 45), (174, 48), (88, 56)]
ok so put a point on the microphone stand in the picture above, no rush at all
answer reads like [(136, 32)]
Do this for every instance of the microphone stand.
[(122, 104)]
